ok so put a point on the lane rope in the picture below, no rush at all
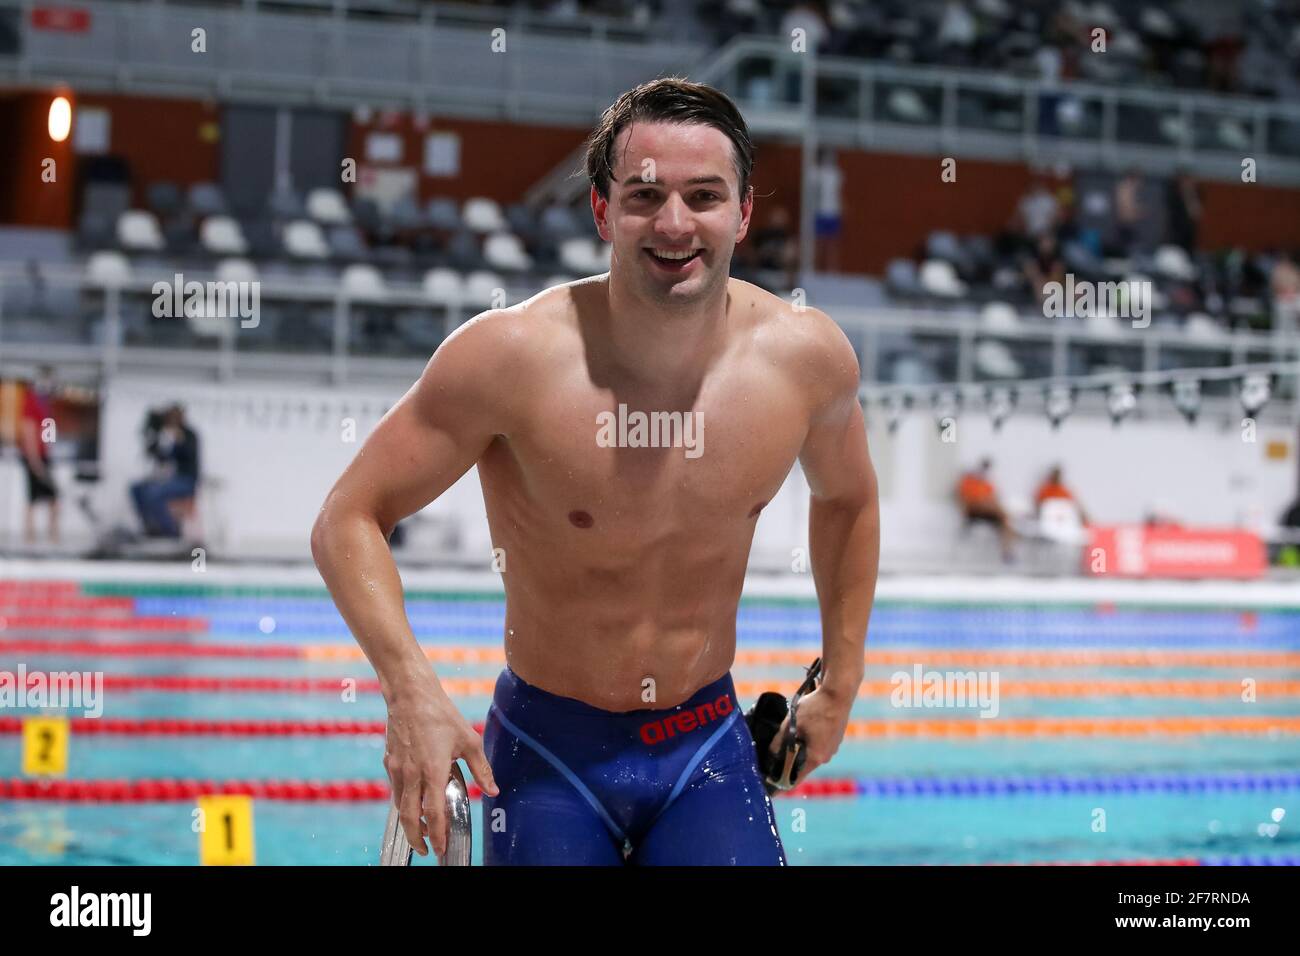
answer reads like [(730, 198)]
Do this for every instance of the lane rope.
[(870, 690), (170, 790), (462, 654), (973, 728)]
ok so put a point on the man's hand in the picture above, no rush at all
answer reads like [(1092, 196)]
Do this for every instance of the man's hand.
[(823, 718), (425, 734)]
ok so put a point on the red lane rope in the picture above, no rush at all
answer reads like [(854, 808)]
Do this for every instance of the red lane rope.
[(169, 726), (468, 687), (53, 622), (171, 791), (300, 685), (41, 587), (152, 649), (58, 602)]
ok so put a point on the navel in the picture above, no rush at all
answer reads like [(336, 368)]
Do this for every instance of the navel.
[(580, 519)]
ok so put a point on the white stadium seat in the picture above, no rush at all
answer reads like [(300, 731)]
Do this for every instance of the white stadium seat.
[(236, 270), (999, 315), (995, 360), (481, 287), (444, 286), (329, 207), (1203, 328), (108, 268), (222, 236), (138, 230), (583, 256), (304, 240), (940, 278), (503, 250), (483, 215), (360, 281), (1058, 520), (1173, 261)]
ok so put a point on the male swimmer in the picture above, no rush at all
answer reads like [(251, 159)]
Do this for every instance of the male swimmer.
[(614, 734)]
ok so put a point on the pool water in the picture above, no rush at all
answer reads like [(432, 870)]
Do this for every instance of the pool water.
[(1042, 783)]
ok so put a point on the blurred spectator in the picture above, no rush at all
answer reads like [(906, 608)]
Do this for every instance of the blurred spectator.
[(1048, 63), (1036, 213), (1284, 284), (1184, 205), (979, 502), (1054, 487), (35, 435), (1128, 211), (1043, 266), (810, 16), (1223, 46), (776, 248), (827, 183), (957, 29), (175, 447)]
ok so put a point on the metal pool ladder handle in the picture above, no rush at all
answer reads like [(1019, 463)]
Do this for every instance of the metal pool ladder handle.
[(395, 851)]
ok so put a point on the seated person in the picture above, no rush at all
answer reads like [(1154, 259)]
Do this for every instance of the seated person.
[(174, 445), (979, 502), (1053, 487)]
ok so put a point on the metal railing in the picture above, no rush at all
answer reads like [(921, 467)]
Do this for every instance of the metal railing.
[(895, 347), (441, 58), (454, 60)]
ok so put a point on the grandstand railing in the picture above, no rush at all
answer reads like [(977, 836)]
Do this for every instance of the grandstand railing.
[(437, 57), (989, 115), (441, 61), (895, 347)]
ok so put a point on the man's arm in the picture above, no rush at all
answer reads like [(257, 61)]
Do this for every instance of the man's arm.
[(427, 441), (843, 536)]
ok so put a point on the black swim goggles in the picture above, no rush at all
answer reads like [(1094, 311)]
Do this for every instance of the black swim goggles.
[(781, 770)]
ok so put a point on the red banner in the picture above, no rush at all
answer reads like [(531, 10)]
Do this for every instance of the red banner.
[(64, 19), (1137, 551)]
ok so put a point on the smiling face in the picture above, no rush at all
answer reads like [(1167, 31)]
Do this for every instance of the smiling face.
[(674, 213)]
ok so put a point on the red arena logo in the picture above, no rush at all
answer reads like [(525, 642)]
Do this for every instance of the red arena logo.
[(684, 721)]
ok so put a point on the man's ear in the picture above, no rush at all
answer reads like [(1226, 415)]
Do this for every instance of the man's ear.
[(746, 211), (600, 212)]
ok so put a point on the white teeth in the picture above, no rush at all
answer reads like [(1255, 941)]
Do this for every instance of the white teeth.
[(675, 255)]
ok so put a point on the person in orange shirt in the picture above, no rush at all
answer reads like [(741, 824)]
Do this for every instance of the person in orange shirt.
[(1053, 487), (979, 502)]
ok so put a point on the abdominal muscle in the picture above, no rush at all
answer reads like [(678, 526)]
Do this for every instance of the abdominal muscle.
[(620, 619)]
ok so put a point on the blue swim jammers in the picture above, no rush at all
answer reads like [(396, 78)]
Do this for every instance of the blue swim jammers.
[(582, 786)]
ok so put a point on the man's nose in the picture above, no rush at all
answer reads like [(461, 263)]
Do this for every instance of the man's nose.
[(674, 217)]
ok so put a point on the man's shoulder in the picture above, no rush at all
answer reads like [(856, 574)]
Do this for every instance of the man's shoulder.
[(523, 327), (798, 336)]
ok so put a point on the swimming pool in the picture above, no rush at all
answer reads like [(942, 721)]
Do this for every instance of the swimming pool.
[(1120, 734)]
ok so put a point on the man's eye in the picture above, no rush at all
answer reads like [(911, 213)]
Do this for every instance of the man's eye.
[(643, 194), (708, 196)]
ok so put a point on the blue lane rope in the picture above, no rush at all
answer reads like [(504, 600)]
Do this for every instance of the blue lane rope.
[(1060, 784)]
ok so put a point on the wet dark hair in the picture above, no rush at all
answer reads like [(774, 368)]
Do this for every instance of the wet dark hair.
[(669, 100)]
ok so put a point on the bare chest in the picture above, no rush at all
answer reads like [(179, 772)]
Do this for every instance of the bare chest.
[(600, 459)]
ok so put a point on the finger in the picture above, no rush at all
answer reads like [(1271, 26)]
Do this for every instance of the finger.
[(395, 783), (435, 815), (409, 813), (775, 747), (480, 769)]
